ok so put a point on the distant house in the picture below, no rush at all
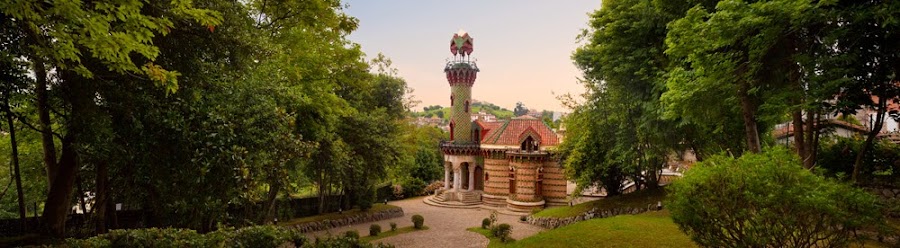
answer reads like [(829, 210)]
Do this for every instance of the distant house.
[(784, 133), (483, 116)]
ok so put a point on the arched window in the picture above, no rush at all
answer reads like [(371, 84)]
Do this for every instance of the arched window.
[(451, 130), (451, 100), (467, 107)]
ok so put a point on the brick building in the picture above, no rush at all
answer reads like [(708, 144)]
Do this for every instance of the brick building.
[(508, 164)]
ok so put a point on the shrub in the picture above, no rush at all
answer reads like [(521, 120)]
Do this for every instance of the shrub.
[(766, 200), (485, 223), (374, 230), (365, 199), (254, 236), (398, 192), (429, 190), (418, 221), (502, 231), (353, 234), (523, 218), (412, 187), (265, 236), (393, 226)]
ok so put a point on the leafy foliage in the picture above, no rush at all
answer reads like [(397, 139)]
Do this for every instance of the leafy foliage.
[(502, 231), (418, 221), (767, 200)]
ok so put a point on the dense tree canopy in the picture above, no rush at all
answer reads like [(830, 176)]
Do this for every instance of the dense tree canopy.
[(188, 111)]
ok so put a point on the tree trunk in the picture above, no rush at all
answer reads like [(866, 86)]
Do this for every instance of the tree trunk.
[(870, 138), (101, 198), (56, 208), (799, 135), (812, 139), (748, 112), (273, 194), (15, 160), (43, 109)]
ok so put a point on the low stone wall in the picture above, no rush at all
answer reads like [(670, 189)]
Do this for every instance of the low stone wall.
[(349, 220), (554, 222)]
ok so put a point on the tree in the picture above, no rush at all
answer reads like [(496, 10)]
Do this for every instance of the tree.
[(520, 109), (767, 200), (60, 36), (617, 133)]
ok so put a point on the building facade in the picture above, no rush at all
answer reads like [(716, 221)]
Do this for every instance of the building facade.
[(498, 164)]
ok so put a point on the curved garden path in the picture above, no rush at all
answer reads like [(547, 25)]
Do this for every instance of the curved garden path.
[(447, 226)]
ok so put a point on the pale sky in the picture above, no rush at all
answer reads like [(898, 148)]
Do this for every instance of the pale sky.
[(523, 48)]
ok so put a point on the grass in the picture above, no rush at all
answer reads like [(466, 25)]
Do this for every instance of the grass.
[(637, 199), (651, 229), (399, 231), (334, 216)]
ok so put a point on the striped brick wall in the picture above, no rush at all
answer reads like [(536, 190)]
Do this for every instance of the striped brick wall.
[(554, 184), (498, 176), (526, 177)]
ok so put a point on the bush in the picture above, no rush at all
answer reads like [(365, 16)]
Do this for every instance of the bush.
[(523, 218), (502, 231), (766, 200), (418, 221), (365, 199), (411, 187), (429, 190), (485, 223), (374, 230), (393, 226), (254, 236), (265, 236), (353, 234)]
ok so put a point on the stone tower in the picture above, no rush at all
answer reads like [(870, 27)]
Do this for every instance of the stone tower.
[(461, 72)]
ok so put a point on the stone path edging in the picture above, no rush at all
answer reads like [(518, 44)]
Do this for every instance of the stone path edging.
[(555, 222), (349, 220)]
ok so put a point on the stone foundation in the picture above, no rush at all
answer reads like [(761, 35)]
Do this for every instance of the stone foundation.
[(348, 220)]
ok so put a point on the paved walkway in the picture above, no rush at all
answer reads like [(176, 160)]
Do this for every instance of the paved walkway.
[(447, 226)]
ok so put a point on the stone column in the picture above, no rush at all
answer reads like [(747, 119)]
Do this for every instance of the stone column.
[(457, 174), (446, 176), (471, 177)]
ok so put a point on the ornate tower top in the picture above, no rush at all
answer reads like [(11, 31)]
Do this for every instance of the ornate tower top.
[(461, 43), (461, 70)]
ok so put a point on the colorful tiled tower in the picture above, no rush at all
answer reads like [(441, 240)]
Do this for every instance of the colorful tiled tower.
[(461, 72)]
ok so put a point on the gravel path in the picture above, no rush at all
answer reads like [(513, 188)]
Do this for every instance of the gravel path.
[(447, 226)]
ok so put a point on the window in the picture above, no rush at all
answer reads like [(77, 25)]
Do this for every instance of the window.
[(529, 144), (512, 181), (451, 130), (451, 100), (467, 107)]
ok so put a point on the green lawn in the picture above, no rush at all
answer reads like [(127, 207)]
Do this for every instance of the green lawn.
[(333, 216), (637, 199), (399, 231), (651, 229)]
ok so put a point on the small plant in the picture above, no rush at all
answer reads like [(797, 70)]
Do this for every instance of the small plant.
[(418, 221), (493, 217), (374, 230), (502, 231), (485, 223), (353, 234), (393, 226)]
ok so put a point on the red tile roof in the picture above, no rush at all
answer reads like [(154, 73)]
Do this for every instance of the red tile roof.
[(511, 132)]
